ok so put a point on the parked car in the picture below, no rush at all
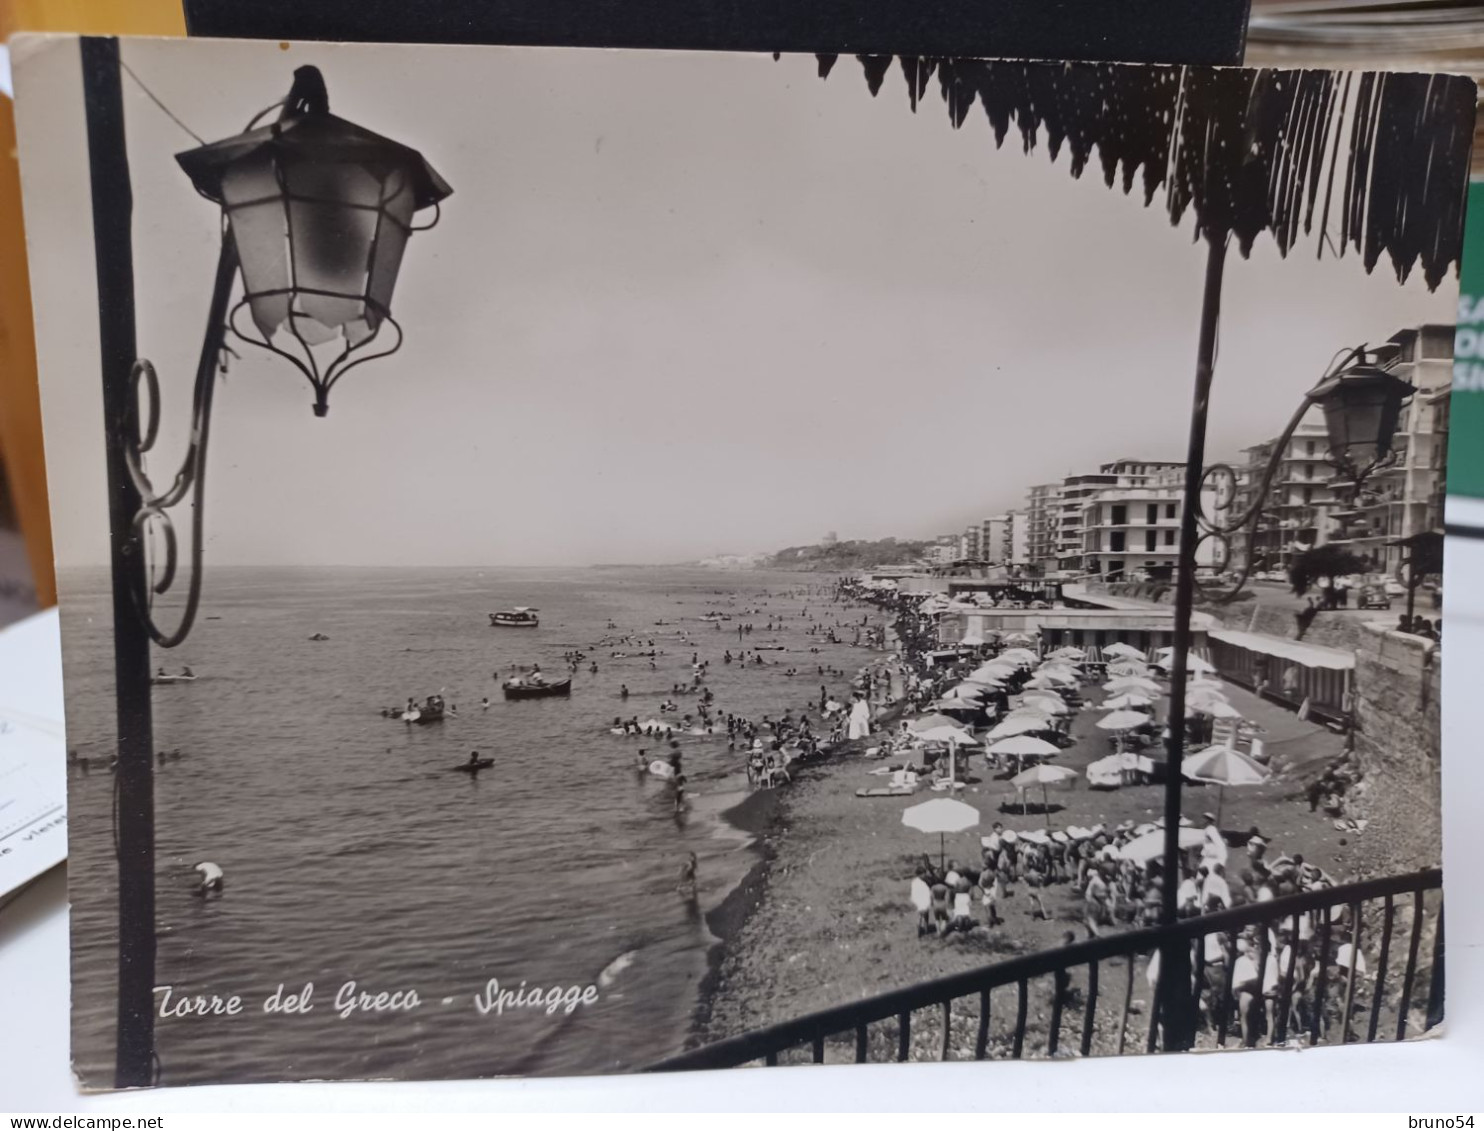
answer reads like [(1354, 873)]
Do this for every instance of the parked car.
[(1373, 597), (1395, 588)]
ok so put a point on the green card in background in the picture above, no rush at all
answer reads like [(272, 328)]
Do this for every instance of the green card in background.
[(1466, 424)]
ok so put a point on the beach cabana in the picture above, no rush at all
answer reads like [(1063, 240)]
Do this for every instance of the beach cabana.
[(1114, 771)]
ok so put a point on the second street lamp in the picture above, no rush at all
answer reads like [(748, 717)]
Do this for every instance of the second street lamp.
[(1361, 400)]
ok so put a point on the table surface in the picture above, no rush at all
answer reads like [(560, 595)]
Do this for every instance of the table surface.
[(1436, 1075)]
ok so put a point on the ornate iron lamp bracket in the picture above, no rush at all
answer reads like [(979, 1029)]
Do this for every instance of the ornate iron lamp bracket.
[(1219, 481), (152, 519)]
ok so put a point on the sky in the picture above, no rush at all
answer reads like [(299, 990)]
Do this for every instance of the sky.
[(679, 305)]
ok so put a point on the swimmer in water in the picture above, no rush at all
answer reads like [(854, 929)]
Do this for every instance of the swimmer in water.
[(211, 879)]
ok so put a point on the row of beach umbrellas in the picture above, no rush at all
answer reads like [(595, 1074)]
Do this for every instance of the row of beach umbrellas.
[(1131, 687)]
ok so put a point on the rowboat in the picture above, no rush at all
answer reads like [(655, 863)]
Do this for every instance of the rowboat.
[(536, 689), (173, 679), (521, 616), (473, 767)]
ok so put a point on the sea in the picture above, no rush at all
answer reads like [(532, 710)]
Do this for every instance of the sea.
[(352, 853)]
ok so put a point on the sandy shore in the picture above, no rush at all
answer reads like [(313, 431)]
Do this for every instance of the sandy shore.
[(824, 917)]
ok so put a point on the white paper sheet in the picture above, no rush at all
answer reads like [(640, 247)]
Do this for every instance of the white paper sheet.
[(33, 763)]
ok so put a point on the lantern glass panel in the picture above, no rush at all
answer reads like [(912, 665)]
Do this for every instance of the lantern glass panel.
[(391, 242), (1354, 418), (332, 218), (254, 203)]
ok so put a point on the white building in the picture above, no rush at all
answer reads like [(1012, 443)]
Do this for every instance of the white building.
[(1082, 549), (994, 539), (1043, 519), (1131, 531), (1019, 546)]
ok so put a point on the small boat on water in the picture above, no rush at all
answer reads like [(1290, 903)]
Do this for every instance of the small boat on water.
[(473, 767), (522, 616), (183, 677), (431, 711), (529, 687)]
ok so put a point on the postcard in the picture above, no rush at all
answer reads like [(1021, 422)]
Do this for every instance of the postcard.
[(719, 560)]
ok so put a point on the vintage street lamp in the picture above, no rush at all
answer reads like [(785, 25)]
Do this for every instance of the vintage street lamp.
[(319, 211), (1362, 405), (1361, 401), (316, 213)]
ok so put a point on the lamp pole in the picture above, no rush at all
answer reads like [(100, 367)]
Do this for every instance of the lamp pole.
[(402, 184), (1175, 1003), (134, 797)]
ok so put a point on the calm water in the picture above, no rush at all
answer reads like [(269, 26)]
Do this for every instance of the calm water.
[(352, 853)]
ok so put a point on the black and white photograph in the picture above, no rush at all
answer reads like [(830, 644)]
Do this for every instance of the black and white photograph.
[(716, 560)]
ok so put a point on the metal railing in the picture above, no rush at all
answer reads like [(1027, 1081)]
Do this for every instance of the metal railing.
[(1314, 992)]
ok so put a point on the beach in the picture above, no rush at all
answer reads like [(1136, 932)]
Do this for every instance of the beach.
[(829, 918)]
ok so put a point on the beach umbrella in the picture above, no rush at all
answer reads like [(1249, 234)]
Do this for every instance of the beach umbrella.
[(1122, 720), (1061, 672), (1022, 656), (1223, 766), (942, 815), (1042, 775), (1024, 746), (983, 683), (1050, 681), (928, 722), (1205, 683), (1124, 701), (993, 673), (966, 691), (1216, 708), (1193, 663), (1124, 651), (1069, 652), (1151, 845), (1128, 667), (1019, 638), (1132, 683), (1042, 706), (959, 706), (949, 733), (1011, 725), (1048, 694)]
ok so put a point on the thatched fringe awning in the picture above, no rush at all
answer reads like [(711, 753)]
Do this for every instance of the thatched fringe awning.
[(1369, 162)]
